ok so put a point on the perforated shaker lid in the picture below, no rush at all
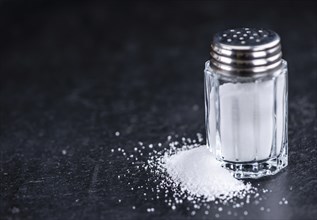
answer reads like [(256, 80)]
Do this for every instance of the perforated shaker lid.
[(246, 51)]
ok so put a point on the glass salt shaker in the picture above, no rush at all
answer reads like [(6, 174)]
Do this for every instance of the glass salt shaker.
[(246, 91)]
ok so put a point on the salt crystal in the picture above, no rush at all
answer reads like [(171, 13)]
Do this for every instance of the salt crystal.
[(117, 133)]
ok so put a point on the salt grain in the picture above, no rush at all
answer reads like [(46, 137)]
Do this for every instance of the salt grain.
[(285, 202)]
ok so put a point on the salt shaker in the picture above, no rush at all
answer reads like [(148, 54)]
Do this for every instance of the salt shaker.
[(246, 105)]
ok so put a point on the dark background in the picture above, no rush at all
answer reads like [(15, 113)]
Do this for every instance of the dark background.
[(72, 74)]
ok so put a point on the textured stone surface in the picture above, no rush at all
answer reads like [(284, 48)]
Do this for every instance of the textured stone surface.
[(72, 75)]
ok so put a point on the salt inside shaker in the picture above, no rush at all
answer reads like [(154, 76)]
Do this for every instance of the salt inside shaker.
[(246, 108)]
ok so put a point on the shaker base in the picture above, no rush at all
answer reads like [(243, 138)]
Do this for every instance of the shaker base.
[(257, 169)]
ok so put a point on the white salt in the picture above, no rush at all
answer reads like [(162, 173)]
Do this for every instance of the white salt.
[(185, 174), (199, 174)]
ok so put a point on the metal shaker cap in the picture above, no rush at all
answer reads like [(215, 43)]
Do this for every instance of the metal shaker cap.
[(246, 51)]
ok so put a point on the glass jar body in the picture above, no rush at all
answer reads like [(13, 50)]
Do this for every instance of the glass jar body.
[(246, 121)]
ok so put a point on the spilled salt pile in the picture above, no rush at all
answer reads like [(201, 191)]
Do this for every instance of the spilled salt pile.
[(199, 174), (181, 173)]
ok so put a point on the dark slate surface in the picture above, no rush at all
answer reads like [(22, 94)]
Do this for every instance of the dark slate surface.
[(73, 74)]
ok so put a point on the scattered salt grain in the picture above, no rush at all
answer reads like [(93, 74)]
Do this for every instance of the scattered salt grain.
[(64, 152), (200, 137), (150, 209), (117, 133)]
